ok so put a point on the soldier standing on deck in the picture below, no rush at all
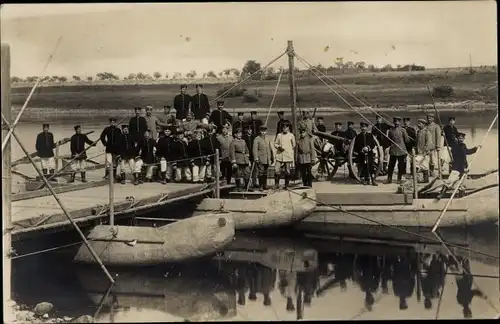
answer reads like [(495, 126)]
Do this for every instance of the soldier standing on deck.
[(110, 138), (208, 145), (379, 130), (197, 161), (239, 155), (423, 146), (306, 156), (350, 133), (78, 153), (364, 146), (200, 106), (412, 136), (281, 121), (145, 157), (45, 148), (137, 125), (397, 150), (182, 103), (285, 148), (127, 153), (219, 116), (450, 133), (152, 122), (225, 140), (435, 131), (320, 124), (163, 147), (263, 156), (239, 123), (178, 155), (254, 122), (249, 136)]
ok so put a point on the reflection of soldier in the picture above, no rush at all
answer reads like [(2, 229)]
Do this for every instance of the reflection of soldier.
[(386, 274), (307, 282), (241, 284), (369, 277), (465, 293), (432, 279), (288, 285), (265, 282), (253, 275), (403, 280)]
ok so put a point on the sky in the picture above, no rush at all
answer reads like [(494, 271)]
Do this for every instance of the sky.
[(179, 37)]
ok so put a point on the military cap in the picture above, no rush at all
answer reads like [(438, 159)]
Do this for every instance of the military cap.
[(363, 124), (167, 106), (262, 127), (237, 130), (137, 108), (396, 118), (253, 112), (451, 118), (338, 123), (112, 119), (349, 123), (430, 115), (406, 119), (281, 112), (149, 107), (220, 102), (421, 120), (45, 125), (124, 126), (319, 118), (240, 114), (199, 86), (461, 135), (184, 86), (77, 127)]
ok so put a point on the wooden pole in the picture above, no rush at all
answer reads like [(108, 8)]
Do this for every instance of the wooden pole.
[(414, 173), (217, 174), (57, 156), (111, 195), (291, 79), (6, 176)]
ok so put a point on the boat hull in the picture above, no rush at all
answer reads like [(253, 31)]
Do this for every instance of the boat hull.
[(139, 246), (277, 209)]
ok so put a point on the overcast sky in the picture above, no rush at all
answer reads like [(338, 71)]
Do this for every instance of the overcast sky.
[(125, 38)]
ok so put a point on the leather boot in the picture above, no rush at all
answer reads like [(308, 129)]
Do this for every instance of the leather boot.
[(267, 300), (123, 177), (44, 172), (277, 182), (442, 192), (139, 177), (106, 173), (164, 177), (241, 299), (389, 180), (51, 174), (136, 179), (263, 182), (72, 179), (287, 181), (374, 182), (82, 175), (289, 305)]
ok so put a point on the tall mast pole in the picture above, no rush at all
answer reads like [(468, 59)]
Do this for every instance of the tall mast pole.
[(291, 79)]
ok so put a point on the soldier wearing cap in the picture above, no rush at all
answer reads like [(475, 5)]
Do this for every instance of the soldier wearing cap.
[(168, 117), (220, 116), (163, 148), (412, 135), (320, 124), (208, 145), (306, 156), (338, 143), (397, 151), (308, 122), (379, 130), (190, 124), (146, 149), (197, 160), (179, 157), (459, 165), (281, 122), (78, 153), (182, 103), (262, 152), (239, 155), (152, 122), (435, 131), (110, 138), (350, 133), (450, 132), (137, 125), (45, 149), (224, 140), (364, 144), (285, 147), (254, 122), (423, 146), (127, 153), (200, 106), (239, 123), (248, 137)]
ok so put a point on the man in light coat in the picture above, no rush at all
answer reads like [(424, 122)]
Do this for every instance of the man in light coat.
[(435, 131), (152, 122), (423, 146), (397, 151), (285, 148), (306, 156), (263, 156), (240, 159), (225, 140)]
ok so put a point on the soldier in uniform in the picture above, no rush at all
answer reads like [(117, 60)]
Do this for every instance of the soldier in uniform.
[(379, 130), (163, 147), (435, 131), (190, 124), (263, 156), (306, 156), (423, 146), (127, 153), (450, 133), (110, 138), (281, 121), (219, 116), (285, 148), (200, 106), (197, 161), (77, 146), (239, 123), (178, 155), (151, 122), (182, 103), (208, 146), (145, 157), (249, 137), (168, 118), (350, 133), (137, 125), (45, 148), (364, 146), (239, 155), (403, 282), (254, 122), (226, 167), (412, 135), (397, 150), (320, 124)]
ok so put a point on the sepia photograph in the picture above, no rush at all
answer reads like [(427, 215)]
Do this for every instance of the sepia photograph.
[(249, 161)]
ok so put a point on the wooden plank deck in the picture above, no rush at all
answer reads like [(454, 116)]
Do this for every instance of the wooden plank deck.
[(40, 213)]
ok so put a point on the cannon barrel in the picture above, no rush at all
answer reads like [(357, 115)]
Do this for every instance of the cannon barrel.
[(329, 136)]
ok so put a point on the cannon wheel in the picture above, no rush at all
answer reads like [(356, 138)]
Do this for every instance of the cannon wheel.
[(327, 165), (379, 157)]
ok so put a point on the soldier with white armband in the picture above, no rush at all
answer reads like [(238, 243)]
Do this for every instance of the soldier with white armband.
[(145, 157), (163, 148), (127, 153)]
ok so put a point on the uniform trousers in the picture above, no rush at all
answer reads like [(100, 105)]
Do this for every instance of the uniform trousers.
[(149, 168), (400, 159), (47, 163), (305, 172), (127, 163), (79, 165)]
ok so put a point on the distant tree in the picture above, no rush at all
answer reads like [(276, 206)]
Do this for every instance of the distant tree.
[(191, 74), (399, 67), (63, 79), (227, 72), (106, 76), (90, 78), (31, 79), (140, 76), (45, 79), (166, 75), (157, 75), (236, 72), (204, 75), (177, 75), (211, 74), (339, 62), (221, 74), (372, 68), (387, 68), (132, 76), (54, 78), (148, 77), (251, 67), (349, 65), (76, 78), (15, 79), (360, 65)]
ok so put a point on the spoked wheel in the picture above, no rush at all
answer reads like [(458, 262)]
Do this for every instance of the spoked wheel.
[(377, 160), (327, 165)]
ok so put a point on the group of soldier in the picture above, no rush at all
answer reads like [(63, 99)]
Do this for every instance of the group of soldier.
[(184, 139)]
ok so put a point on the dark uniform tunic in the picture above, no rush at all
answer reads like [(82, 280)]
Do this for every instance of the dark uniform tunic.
[(137, 127), (145, 149), (365, 159), (110, 138), (219, 117), (254, 124), (178, 151), (181, 105), (337, 143), (450, 134), (459, 151), (200, 106), (163, 147), (321, 128), (127, 147), (249, 141), (194, 152), (403, 282), (239, 124), (45, 145), (379, 130), (350, 134), (412, 138), (208, 146), (77, 146)]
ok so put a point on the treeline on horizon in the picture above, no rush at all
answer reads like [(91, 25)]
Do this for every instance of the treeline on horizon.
[(250, 67)]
